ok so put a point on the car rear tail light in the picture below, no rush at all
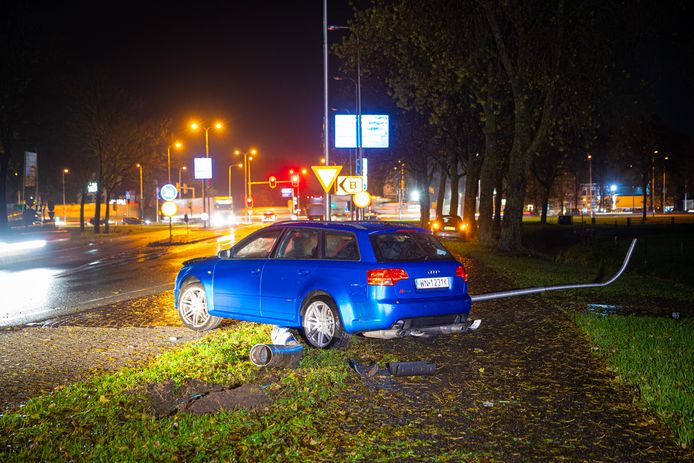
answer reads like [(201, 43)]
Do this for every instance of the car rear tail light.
[(460, 272), (385, 276)]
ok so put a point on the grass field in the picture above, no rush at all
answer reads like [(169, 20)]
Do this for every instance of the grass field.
[(644, 345)]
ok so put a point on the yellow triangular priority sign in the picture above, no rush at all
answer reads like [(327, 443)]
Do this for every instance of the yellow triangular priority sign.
[(326, 175)]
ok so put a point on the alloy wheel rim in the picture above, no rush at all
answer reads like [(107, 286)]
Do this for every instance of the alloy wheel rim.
[(320, 324), (194, 307)]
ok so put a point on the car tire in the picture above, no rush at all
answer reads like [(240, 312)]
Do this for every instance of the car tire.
[(321, 326), (192, 308)]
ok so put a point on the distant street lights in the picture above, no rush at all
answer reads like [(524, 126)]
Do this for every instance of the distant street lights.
[(176, 145), (196, 126), (142, 210), (65, 171)]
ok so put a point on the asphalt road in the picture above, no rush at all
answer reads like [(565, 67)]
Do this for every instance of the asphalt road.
[(71, 275)]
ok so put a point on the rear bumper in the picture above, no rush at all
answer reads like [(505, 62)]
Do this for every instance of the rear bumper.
[(415, 313)]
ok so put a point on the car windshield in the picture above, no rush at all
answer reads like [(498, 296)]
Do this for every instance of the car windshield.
[(399, 246)]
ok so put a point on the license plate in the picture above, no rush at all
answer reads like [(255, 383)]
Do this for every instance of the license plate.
[(431, 283), (449, 228)]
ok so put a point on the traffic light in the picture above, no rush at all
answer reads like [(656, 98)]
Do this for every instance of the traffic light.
[(249, 202), (272, 181), (295, 180)]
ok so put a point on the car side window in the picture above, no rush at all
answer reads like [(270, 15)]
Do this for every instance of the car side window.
[(299, 244), (340, 246), (259, 247)]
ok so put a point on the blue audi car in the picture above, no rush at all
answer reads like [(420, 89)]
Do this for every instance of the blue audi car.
[(330, 280)]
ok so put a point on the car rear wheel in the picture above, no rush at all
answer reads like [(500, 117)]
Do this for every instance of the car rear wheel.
[(192, 308), (321, 326)]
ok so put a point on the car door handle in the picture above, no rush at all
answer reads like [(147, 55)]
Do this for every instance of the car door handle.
[(255, 271), (303, 273)]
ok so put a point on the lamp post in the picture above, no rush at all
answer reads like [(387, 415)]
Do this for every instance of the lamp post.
[(177, 145), (247, 172), (142, 209), (230, 166), (655, 152), (65, 171), (180, 183), (663, 198), (356, 108), (360, 151), (196, 126), (590, 184)]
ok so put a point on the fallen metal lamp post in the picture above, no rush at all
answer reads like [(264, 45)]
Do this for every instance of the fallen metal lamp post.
[(285, 350), (542, 289)]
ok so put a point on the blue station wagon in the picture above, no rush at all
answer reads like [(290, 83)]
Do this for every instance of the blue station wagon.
[(330, 280)]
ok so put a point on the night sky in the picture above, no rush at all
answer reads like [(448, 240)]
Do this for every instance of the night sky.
[(257, 66)]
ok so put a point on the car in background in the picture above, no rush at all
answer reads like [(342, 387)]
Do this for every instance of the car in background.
[(329, 280), (448, 226), (131, 221), (269, 217)]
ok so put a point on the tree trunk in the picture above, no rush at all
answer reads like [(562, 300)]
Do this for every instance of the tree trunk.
[(470, 198), (455, 184), (97, 209), (441, 194), (545, 202), (83, 196), (488, 175), (4, 165), (496, 225), (517, 178), (644, 186), (108, 211)]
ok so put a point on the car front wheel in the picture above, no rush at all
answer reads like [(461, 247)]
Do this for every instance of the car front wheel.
[(192, 308), (321, 326)]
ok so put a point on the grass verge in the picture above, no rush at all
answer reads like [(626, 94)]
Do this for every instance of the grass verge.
[(653, 354), (108, 418)]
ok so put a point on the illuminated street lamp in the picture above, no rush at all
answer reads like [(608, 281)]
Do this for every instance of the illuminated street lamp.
[(196, 126), (360, 151), (142, 210), (180, 183), (230, 166), (176, 145), (247, 158), (65, 171), (590, 184)]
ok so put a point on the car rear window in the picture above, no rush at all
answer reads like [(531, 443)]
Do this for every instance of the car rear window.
[(400, 246), (340, 246)]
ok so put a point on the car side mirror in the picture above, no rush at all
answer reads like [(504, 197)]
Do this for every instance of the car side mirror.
[(223, 254)]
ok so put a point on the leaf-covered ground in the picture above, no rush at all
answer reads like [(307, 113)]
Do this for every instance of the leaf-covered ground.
[(525, 387)]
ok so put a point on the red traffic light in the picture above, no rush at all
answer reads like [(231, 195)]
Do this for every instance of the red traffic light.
[(249, 202), (272, 181), (295, 180)]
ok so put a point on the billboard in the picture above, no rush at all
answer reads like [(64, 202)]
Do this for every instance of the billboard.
[(374, 131), (203, 168), (30, 170)]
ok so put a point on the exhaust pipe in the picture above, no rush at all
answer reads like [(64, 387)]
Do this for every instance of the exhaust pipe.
[(542, 289), (424, 331), (274, 355)]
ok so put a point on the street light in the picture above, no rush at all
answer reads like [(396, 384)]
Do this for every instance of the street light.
[(196, 126), (247, 158), (663, 199), (356, 108), (230, 166), (180, 183), (176, 145), (360, 152), (65, 171), (590, 184), (142, 210)]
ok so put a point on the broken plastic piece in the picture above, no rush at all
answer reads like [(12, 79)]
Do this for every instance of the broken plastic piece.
[(281, 335), (411, 368), (476, 324)]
